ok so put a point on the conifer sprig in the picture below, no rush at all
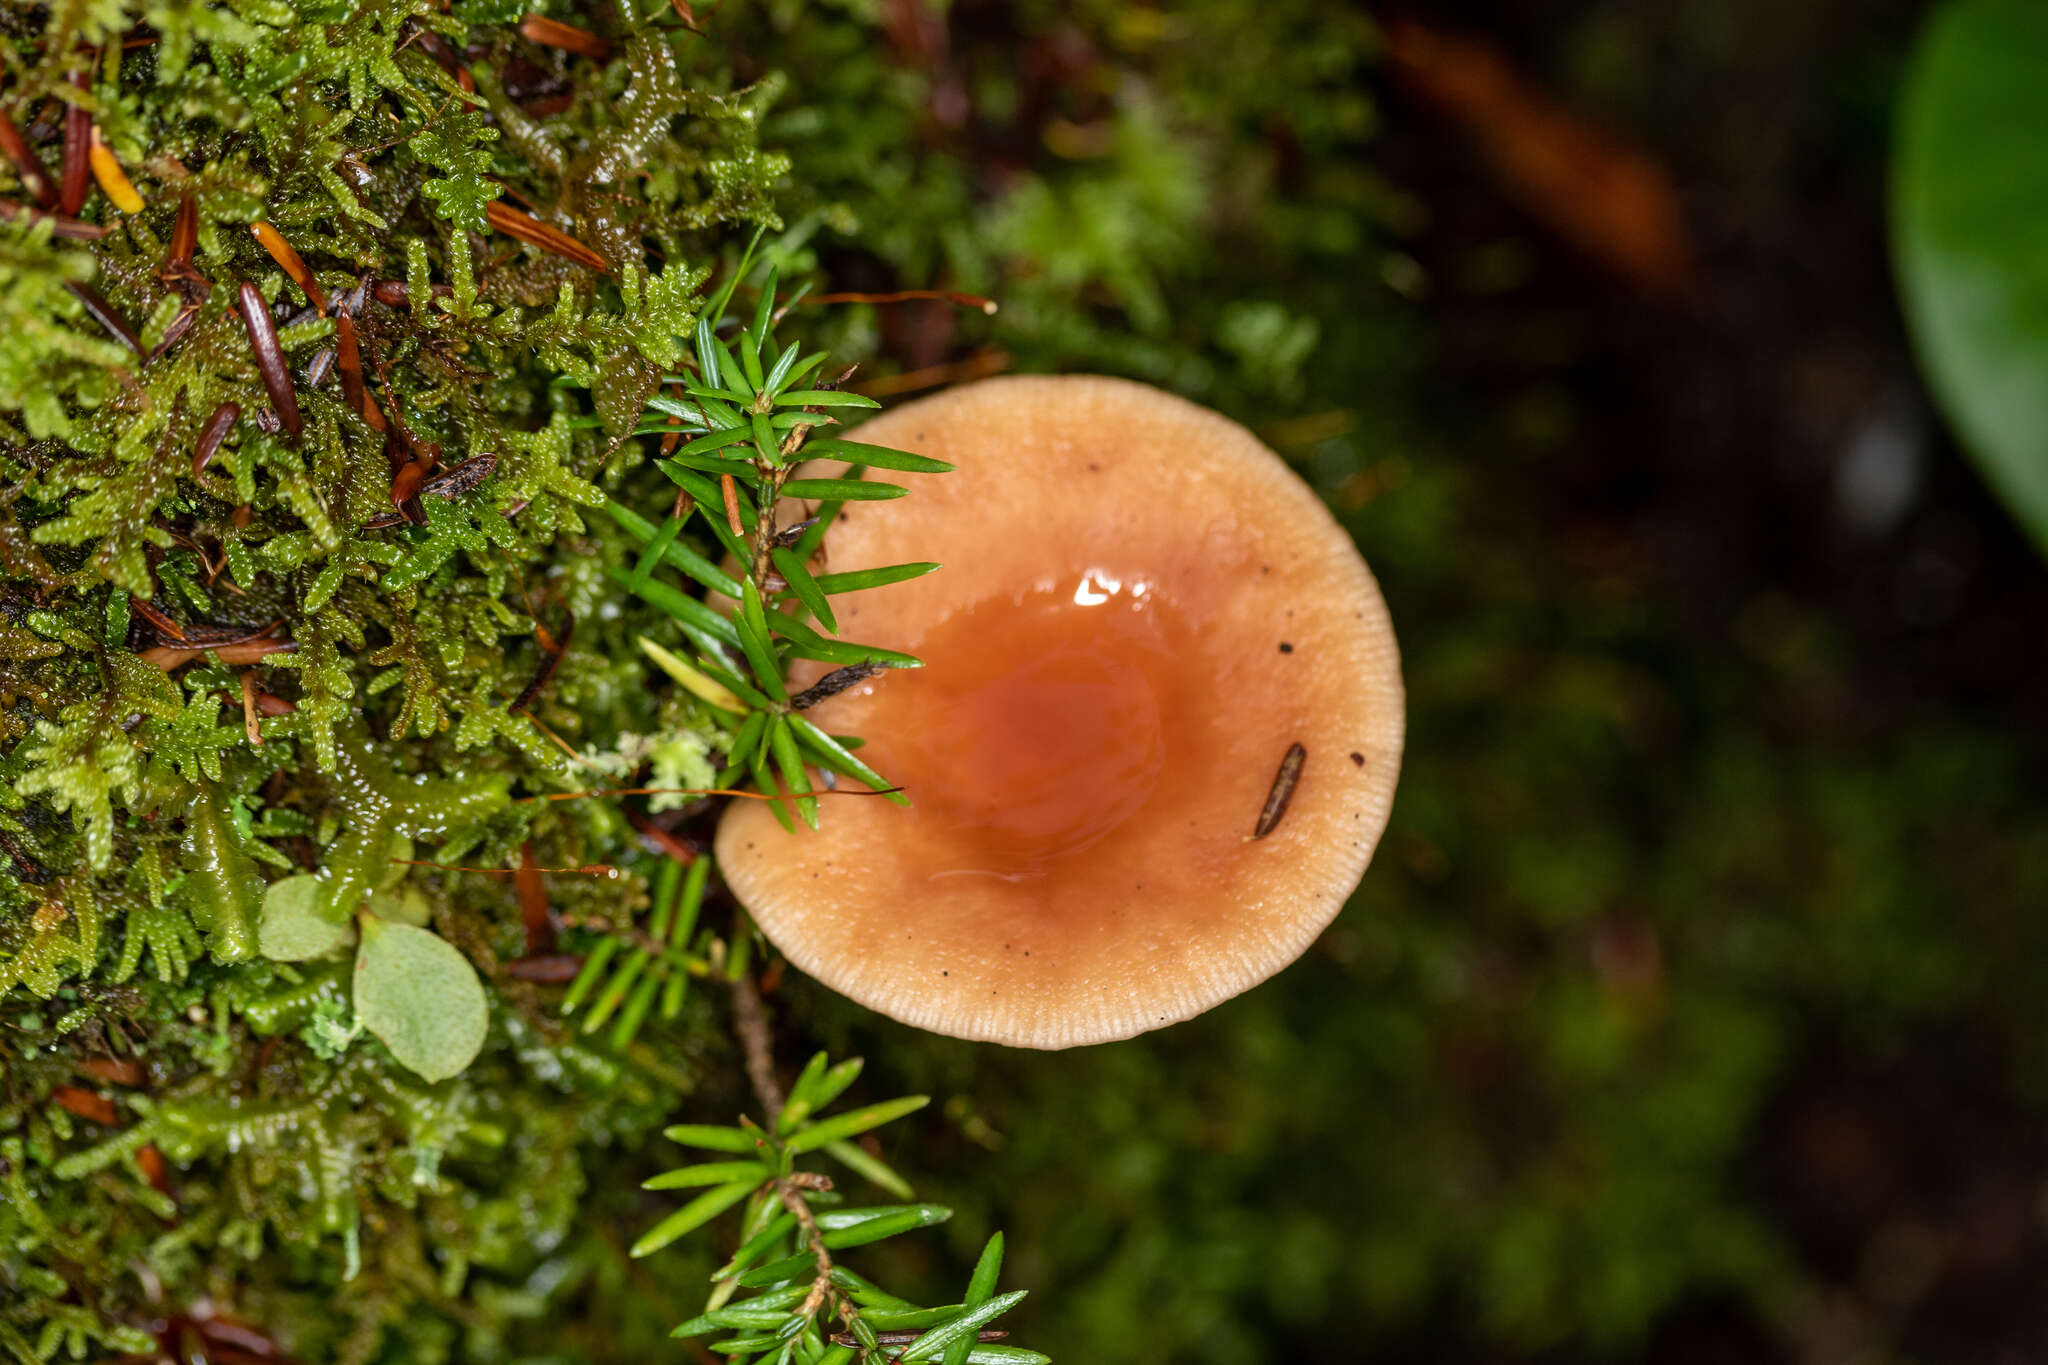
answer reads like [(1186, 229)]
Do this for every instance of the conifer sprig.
[(783, 1298), (734, 437)]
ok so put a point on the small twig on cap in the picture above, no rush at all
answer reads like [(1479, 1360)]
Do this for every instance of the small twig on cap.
[(1284, 783), (833, 683)]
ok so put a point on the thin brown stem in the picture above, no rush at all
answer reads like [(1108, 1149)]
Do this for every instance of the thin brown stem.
[(790, 1189), (765, 530), (750, 1022)]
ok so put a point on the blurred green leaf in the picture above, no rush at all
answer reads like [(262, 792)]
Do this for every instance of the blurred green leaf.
[(1970, 212)]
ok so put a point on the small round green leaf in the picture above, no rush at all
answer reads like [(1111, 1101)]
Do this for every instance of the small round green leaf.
[(295, 924), (420, 997)]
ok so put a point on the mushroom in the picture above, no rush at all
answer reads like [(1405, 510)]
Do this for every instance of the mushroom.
[(1151, 750)]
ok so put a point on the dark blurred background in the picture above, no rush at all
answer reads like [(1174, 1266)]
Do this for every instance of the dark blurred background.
[(1694, 1009)]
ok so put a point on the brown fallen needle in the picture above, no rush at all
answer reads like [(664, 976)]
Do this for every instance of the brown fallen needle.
[(149, 1159), (114, 1070), (213, 433), (348, 363), (533, 903), (106, 315), (169, 657), (546, 968), (730, 492), (35, 178), (157, 617), (184, 235), (77, 175), (250, 721), (289, 260), (552, 650), (459, 479), (263, 344), (84, 1104), (65, 226), (661, 841), (538, 28), (534, 232)]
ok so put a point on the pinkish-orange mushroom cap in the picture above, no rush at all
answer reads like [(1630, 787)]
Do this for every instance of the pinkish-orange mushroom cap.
[(1142, 611)]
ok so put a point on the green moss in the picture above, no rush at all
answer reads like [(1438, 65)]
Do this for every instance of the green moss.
[(143, 823)]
